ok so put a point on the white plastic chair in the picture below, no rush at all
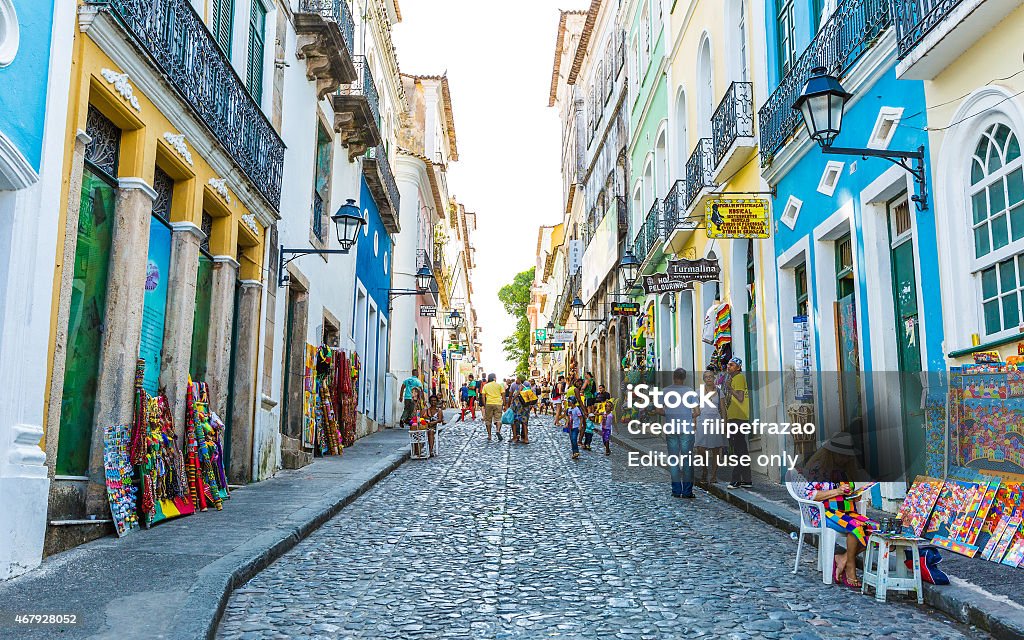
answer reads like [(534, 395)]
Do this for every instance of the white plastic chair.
[(419, 444), (826, 537)]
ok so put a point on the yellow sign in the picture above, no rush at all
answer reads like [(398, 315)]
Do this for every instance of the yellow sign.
[(737, 218)]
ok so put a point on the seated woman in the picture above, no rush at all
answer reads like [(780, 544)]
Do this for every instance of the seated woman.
[(434, 417), (828, 473)]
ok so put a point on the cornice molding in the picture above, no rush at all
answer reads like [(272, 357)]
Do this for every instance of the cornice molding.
[(15, 170)]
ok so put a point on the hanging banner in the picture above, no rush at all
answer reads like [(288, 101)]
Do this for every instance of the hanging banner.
[(557, 346), (702, 270), (625, 308), (664, 283), (601, 255), (731, 218), (428, 311), (158, 268), (562, 336)]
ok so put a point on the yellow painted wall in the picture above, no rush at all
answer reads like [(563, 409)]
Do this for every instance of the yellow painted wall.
[(142, 147)]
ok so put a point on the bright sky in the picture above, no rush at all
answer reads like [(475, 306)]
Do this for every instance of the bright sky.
[(498, 57)]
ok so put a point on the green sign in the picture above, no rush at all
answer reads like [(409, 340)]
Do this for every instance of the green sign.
[(541, 334), (557, 346)]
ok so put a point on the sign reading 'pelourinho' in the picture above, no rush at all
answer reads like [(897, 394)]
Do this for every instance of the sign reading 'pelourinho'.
[(730, 218)]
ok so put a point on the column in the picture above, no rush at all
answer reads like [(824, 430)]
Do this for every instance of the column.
[(122, 331), (222, 316), (244, 401), (179, 322)]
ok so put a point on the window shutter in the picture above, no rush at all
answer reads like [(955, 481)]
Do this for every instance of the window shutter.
[(254, 67), (223, 10)]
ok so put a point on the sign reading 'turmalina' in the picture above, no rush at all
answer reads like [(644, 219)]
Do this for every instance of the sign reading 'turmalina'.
[(728, 218)]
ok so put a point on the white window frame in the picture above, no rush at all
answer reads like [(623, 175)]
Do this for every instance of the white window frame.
[(885, 114), (832, 168), (10, 33)]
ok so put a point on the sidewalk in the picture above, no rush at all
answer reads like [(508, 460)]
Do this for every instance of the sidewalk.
[(981, 593), (173, 580)]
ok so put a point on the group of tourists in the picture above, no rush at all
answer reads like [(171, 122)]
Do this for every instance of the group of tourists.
[(420, 411)]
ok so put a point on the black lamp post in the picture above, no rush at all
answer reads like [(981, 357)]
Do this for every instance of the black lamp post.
[(453, 320), (347, 221), (423, 278), (577, 311), (629, 267), (821, 104)]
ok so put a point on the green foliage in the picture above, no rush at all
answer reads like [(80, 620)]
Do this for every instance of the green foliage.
[(515, 296)]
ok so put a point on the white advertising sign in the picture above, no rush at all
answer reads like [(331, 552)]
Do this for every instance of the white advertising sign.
[(600, 256), (563, 337), (575, 255)]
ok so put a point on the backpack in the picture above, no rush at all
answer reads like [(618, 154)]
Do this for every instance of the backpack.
[(528, 397)]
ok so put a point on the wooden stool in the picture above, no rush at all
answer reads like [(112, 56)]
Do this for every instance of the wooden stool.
[(879, 574)]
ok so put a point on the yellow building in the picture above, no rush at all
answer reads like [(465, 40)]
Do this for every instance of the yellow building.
[(172, 177)]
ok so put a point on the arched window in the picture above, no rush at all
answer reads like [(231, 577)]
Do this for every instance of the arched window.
[(682, 140), (648, 182), (661, 164), (739, 24), (705, 89), (997, 219)]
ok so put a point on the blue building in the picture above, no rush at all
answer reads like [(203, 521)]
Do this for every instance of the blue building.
[(371, 314), (32, 122), (857, 262)]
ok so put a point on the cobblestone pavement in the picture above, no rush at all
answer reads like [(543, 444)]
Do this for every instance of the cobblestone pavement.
[(493, 540)]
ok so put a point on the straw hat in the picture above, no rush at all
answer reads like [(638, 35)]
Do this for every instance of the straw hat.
[(841, 443)]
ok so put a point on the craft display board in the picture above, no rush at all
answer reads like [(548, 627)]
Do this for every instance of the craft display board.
[(121, 490), (988, 423), (918, 504)]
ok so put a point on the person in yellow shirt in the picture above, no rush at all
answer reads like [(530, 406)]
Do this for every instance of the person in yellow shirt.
[(736, 400), (494, 401)]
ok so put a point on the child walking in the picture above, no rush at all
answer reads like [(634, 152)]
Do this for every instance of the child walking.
[(575, 418), (606, 425)]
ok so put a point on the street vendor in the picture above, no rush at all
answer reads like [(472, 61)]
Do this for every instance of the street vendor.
[(434, 416)]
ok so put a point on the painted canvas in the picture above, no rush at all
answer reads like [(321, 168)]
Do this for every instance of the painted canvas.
[(1005, 540), (993, 541), (918, 504)]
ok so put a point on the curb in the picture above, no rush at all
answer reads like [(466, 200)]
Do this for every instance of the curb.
[(216, 582), (960, 600)]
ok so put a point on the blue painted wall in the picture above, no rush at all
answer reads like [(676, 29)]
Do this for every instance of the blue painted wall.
[(370, 268), (23, 82)]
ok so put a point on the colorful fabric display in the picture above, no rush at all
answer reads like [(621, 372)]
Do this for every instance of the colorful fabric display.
[(121, 490)]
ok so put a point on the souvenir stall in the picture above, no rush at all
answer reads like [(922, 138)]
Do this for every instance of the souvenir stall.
[(150, 475), (972, 499), (348, 394)]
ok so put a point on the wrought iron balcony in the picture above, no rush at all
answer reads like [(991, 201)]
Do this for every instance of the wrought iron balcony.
[(383, 188), (700, 170), (842, 40), (175, 39), (318, 216), (649, 233), (733, 119), (325, 39), (563, 303), (915, 19), (622, 214), (357, 112)]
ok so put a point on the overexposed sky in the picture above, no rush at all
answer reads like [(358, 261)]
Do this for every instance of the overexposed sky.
[(498, 56)]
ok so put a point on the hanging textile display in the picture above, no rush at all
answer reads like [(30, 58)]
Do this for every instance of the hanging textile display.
[(164, 478), (121, 489), (328, 432), (347, 400), (207, 480), (309, 398)]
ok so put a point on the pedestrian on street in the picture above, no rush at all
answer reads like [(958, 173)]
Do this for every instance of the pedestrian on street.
[(589, 428), (575, 418), (463, 400), (545, 397), (602, 395), (736, 401), (589, 389), (406, 395), (523, 400), (435, 418), (557, 397), (494, 393), (679, 436), (710, 438), (607, 422), (470, 403)]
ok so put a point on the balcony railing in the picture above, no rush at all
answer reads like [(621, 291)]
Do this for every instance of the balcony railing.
[(383, 187), (337, 11), (648, 233), (849, 33), (700, 169), (364, 87), (176, 40), (674, 210), (734, 118), (916, 18)]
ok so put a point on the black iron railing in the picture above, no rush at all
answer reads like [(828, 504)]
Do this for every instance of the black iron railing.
[(700, 169), (387, 177), (183, 50), (674, 209), (364, 86), (336, 11), (916, 18), (733, 118), (648, 233), (849, 33)]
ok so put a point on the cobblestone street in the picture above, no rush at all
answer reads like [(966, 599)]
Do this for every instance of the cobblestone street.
[(493, 540)]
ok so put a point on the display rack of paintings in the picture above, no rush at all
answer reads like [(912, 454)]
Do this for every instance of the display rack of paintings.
[(121, 490), (918, 504)]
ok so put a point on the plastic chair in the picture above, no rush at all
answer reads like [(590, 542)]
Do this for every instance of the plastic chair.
[(419, 444), (826, 537)]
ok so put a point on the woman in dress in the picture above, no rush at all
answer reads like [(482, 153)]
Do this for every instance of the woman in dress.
[(828, 475), (710, 437)]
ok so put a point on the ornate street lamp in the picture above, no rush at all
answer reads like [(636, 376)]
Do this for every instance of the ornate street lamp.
[(423, 278), (629, 267), (822, 103), (347, 221), (577, 311), (454, 320)]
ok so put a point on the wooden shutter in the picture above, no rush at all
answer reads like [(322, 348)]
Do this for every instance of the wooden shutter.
[(254, 67), (223, 10)]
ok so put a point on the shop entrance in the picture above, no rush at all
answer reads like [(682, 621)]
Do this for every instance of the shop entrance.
[(908, 336), (848, 344)]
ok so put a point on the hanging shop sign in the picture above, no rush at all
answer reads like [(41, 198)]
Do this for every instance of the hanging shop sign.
[(625, 308), (557, 346), (562, 336), (454, 347), (428, 311), (702, 270), (540, 334), (543, 348), (732, 218), (664, 283), (456, 356)]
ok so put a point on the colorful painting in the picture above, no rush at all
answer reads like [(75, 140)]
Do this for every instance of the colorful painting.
[(309, 398), (1006, 539), (935, 434), (993, 541), (952, 501), (917, 506), (121, 490), (1015, 556)]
